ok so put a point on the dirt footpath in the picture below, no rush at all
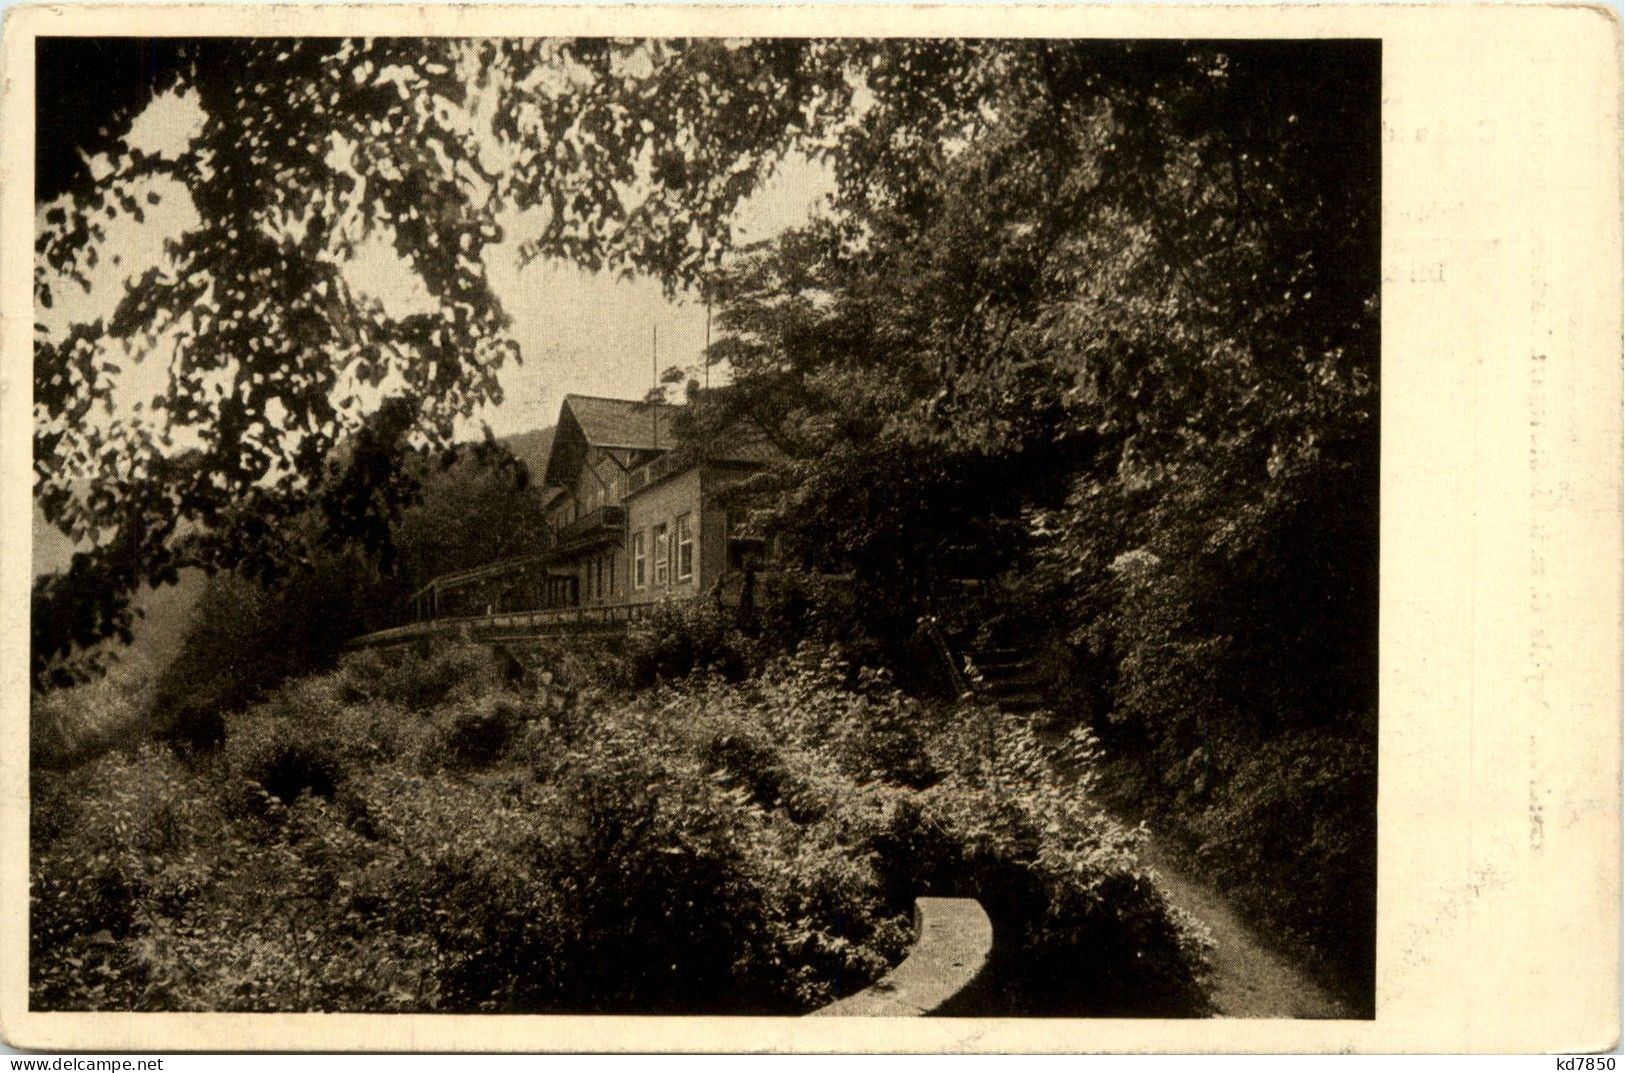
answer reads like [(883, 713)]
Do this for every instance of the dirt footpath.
[(1248, 979)]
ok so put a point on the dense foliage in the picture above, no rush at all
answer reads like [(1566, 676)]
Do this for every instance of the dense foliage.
[(1093, 324), (475, 505), (404, 834), (72, 724), (317, 153), (1098, 322)]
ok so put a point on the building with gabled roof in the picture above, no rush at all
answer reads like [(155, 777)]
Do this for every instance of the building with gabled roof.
[(636, 519), (636, 516)]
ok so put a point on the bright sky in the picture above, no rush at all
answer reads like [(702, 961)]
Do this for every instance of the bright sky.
[(593, 334), (577, 332)]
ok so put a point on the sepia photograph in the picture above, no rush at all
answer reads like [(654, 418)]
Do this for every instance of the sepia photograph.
[(833, 530), (755, 526)]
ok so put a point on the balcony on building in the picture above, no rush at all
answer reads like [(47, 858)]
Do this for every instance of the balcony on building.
[(605, 525)]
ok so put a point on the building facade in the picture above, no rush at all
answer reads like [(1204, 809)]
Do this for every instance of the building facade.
[(635, 519)]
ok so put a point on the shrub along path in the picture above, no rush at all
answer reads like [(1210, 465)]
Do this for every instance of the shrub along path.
[(1248, 980)]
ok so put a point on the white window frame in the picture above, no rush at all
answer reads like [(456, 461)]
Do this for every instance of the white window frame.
[(662, 545), (683, 538), (640, 562)]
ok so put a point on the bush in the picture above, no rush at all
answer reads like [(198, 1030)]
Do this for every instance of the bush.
[(424, 677), (787, 608), (962, 800), (285, 764), (69, 725), (481, 732), (680, 638), (1303, 805), (708, 847), (292, 747), (125, 854)]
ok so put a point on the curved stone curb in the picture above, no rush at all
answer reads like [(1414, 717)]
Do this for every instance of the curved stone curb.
[(955, 938)]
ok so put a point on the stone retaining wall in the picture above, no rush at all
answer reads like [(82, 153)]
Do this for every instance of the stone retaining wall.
[(955, 938)]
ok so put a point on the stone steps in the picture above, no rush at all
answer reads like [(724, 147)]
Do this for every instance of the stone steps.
[(1011, 677)]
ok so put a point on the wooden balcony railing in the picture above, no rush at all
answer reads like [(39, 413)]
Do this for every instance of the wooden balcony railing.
[(602, 526)]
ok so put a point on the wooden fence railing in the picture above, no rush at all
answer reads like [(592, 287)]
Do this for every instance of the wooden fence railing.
[(507, 624)]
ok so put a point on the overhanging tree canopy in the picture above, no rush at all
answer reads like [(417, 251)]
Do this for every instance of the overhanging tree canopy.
[(631, 155), (1152, 234), (1139, 275)]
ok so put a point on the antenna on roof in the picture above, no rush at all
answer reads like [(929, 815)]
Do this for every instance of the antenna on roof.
[(705, 360)]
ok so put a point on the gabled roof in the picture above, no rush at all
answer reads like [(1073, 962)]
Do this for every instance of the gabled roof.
[(604, 422), (587, 421)]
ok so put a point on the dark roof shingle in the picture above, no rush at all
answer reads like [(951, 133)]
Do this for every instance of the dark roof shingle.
[(623, 422)]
